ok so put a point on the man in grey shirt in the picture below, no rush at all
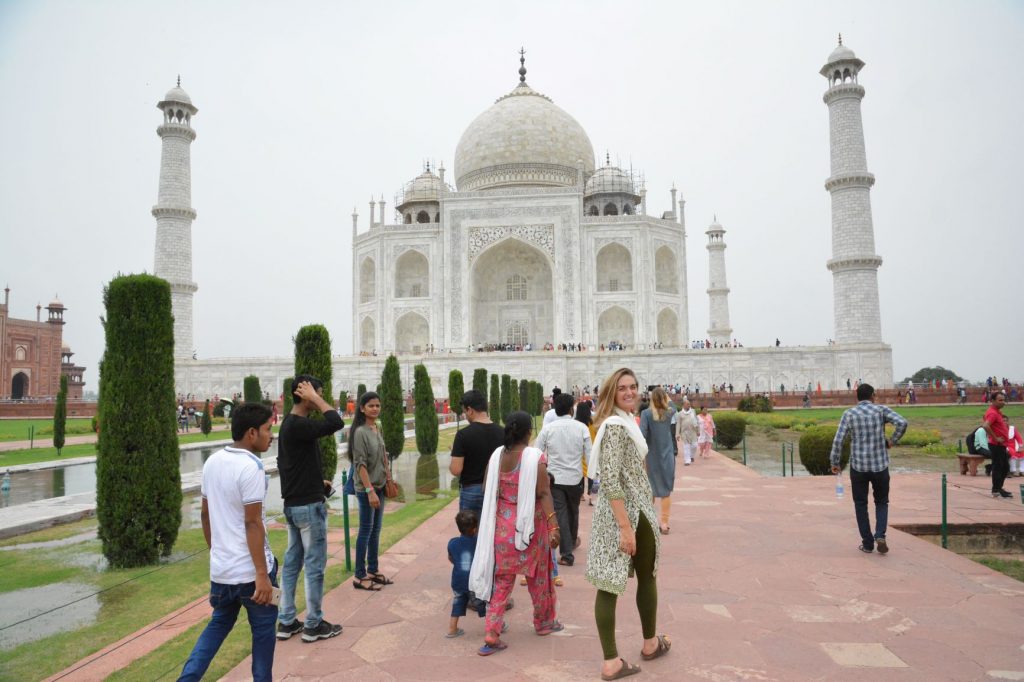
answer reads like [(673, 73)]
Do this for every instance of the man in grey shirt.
[(567, 444)]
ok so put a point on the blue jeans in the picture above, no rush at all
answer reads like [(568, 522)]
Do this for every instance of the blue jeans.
[(472, 497), (307, 548), (226, 601), (368, 540), (879, 481)]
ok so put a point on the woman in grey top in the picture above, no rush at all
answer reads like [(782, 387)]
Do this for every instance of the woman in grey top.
[(656, 426), (372, 471)]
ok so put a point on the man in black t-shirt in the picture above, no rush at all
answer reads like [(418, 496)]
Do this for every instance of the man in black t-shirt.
[(304, 491), (472, 449)]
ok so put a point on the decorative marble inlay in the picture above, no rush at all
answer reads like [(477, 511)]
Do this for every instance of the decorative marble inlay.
[(541, 236)]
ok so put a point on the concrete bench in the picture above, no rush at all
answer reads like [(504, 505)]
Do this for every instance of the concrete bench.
[(970, 462)]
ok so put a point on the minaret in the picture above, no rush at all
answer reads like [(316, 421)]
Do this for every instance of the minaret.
[(174, 213), (854, 264), (718, 291)]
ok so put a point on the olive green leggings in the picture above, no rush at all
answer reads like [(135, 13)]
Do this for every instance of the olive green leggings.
[(646, 593)]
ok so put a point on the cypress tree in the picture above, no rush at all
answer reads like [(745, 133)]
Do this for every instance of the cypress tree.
[(524, 396), (538, 398), (289, 399), (206, 423), (343, 402), (506, 397), (455, 390), (480, 381), (515, 397), (138, 473), (313, 357), (360, 390), (425, 413), (251, 391), (494, 403), (60, 415), (392, 413)]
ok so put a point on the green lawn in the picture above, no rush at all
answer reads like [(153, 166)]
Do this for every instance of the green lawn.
[(18, 429), (128, 607), (1011, 567)]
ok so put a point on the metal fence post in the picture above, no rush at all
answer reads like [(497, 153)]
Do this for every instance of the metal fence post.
[(945, 534), (792, 469), (31, 436), (783, 460), (344, 511), (960, 445), (744, 450)]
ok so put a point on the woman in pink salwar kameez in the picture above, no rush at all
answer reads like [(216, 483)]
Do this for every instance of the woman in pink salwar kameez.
[(523, 535)]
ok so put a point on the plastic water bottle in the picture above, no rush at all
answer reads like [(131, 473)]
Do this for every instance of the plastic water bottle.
[(839, 485)]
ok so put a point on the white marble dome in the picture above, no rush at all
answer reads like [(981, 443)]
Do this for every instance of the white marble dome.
[(840, 53), (424, 187), (522, 139), (176, 94), (609, 180)]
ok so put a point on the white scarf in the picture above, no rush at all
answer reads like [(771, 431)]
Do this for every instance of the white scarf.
[(620, 418), (481, 574)]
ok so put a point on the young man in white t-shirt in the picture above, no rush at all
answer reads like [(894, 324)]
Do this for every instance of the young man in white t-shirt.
[(243, 570)]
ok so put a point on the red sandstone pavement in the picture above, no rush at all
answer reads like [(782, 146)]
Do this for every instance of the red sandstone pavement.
[(760, 579)]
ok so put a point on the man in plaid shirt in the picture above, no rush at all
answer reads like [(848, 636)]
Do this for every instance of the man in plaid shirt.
[(869, 462)]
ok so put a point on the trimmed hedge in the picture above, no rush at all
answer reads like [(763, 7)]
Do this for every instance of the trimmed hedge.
[(729, 430), (313, 357), (425, 414), (251, 391), (815, 447), (288, 401), (138, 473), (392, 412)]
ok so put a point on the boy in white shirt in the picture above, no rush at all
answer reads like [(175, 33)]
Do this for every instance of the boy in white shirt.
[(243, 570)]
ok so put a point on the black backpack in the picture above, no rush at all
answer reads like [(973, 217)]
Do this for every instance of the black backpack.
[(971, 450)]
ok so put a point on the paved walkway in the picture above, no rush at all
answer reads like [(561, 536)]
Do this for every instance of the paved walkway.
[(760, 579)]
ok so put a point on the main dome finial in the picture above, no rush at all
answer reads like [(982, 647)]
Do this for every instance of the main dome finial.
[(522, 65)]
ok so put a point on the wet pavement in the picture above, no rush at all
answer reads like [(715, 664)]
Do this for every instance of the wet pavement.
[(44, 612)]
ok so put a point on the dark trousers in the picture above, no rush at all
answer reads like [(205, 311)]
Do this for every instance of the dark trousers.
[(879, 481), (1000, 466), (567, 510)]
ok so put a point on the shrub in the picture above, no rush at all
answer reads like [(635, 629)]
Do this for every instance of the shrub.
[(919, 438), (251, 391), (515, 397), (138, 476), (205, 423), (940, 449), (95, 424), (815, 448), (754, 403), (60, 415), (494, 403), (506, 397), (392, 412), (425, 412), (313, 356), (455, 390), (480, 381), (729, 429)]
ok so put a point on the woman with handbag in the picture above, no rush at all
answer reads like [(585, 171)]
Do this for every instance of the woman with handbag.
[(372, 474)]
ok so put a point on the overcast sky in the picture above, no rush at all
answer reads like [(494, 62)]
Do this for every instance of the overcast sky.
[(307, 109)]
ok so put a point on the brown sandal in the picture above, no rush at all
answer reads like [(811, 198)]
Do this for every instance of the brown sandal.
[(664, 644), (626, 670)]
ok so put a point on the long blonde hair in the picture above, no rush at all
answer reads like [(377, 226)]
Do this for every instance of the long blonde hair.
[(659, 403), (606, 396)]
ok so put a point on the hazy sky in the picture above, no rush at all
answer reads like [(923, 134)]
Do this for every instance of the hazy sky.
[(307, 109)]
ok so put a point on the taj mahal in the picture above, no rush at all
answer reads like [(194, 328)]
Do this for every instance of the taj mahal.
[(541, 245)]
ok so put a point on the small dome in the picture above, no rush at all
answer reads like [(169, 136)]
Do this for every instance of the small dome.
[(424, 187), (841, 53), (65, 348), (522, 139), (176, 94), (55, 303), (610, 180)]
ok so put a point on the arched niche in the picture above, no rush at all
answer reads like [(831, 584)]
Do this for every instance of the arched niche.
[(668, 328), (666, 271), (412, 333), (511, 282), (412, 275), (368, 335), (19, 386), (611, 209), (615, 325), (367, 280), (614, 268)]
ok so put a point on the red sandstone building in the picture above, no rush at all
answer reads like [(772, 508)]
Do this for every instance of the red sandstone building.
[(33, 355)]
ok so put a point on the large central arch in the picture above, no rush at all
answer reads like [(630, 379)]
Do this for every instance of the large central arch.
[(412, 333), (501, 301)]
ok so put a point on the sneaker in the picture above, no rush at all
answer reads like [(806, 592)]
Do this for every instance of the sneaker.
[(286, 631), (861, 547), (323, 631), (882, 547)]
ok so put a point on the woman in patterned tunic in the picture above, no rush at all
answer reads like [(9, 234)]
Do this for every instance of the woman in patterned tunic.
[(622, 539)]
